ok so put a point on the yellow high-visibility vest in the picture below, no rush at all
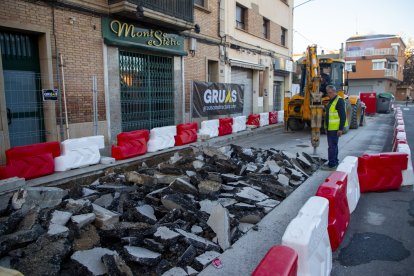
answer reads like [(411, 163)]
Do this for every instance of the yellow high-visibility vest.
[(333, 118)]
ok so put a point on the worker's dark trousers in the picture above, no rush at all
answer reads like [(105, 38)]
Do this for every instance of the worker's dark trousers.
[(332, 148)]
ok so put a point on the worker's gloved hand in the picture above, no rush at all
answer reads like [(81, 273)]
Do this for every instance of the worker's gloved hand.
[(339, 133)]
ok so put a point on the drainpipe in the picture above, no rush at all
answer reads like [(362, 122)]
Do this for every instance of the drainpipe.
[(183, 88)]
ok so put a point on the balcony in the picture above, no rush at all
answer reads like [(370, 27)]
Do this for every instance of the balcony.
[(173, 14), (284, 66), (391, 73), (390, 53)]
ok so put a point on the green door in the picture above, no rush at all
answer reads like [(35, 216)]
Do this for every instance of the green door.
[(147, 90), (22, 82)]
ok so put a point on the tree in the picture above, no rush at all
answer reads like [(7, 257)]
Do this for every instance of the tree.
[(409, 67)]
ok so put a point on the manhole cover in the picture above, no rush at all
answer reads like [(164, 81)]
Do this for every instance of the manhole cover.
[(303, 146)]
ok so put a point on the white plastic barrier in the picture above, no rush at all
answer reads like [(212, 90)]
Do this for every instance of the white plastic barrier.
[(308, 235), (209, 127), (162, 138), (239, 123), (401, 135), (408, 174), (350, 166), (264, 119), (79, 152), (280, 116), (398, 122)]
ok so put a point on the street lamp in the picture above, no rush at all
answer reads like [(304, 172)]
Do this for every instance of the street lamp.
[(302, 4)]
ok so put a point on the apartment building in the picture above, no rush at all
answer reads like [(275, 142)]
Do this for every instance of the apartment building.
[(379, 61), (73, 68)]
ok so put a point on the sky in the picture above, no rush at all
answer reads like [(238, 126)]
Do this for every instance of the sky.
[(328, 23)]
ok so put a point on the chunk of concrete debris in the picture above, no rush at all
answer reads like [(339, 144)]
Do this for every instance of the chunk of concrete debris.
[(42, 197), (250, 195), (273, 166), (165, 178), (214, 176), (11, 184), (82, 220), (153, 245), (191, 271), (141, 179), (215, 153), (112, 188), (92, 259), (58, 230), (60, 217), (88, 192), (166, 235), (4, 202), (142, 255), (219, 221), (175, 271), (187, 257), (107, 160), (244, 206), (271, 203), (207, 205), (146, 213), (198, 242), (177, 201), (105, 218), (13, 240), (195, 229), (183, 186), (209, 187), (75, 206), (251, 167), (104, 201), (116, 266), (283, 180), (244, 227), (205, 259)]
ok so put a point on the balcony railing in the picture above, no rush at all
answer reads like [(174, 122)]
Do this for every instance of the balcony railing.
[(181, 9), (372, 52), (390, 73)]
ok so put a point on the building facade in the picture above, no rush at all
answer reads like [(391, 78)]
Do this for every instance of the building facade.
[(379, 62), (74, 68)]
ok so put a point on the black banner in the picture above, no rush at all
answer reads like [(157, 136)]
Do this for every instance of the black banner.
[(211, 98)]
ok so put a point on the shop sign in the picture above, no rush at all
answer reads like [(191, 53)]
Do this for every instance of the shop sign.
[(130, 34)]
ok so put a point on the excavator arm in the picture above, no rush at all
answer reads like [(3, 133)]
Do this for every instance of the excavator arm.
[(313, 97)]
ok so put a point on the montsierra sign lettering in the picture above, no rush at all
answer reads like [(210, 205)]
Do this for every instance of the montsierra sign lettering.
[(160, 38), (211, 98)]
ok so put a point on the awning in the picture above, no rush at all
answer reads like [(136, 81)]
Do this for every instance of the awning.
[(244, 64)]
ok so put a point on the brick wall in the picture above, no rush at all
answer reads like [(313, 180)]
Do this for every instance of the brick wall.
[(80, 45), (207, 18)]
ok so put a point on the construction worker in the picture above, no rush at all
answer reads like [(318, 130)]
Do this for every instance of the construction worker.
[(325, 80), (335, 122)]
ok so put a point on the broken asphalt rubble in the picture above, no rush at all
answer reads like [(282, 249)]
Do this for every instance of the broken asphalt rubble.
[(174, 217)]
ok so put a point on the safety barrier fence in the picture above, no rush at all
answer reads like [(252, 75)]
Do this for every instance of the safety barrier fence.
[(42, 159), (322, 222)]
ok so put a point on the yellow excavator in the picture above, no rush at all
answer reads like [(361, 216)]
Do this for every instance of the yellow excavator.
[(308, 107)]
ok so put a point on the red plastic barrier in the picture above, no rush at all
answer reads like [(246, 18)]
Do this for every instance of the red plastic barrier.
[(30, 161), (130, 144), (225, 126), (186, 134), (279, 260), (381, 172), (253, 119), (272, 117), (334, 190), (370, 101)]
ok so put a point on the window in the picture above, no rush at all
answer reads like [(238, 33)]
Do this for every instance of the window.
[(213, 71), (240, 17), (348, 65), (200, 2), (283, 37), (265, 30), (378, 64)]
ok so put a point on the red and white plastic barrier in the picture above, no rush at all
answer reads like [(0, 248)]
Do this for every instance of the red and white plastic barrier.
[(239, 123), (79, 152), (186, 134), (307, 234), (400, 138), (162, 138), (210, 128), (253, 120), (264, 119), (273, 117), (225, 126), (334, 189), (30, 161), (350, 166), (381, 172), (408, 174), (130, 144), (279, 260)]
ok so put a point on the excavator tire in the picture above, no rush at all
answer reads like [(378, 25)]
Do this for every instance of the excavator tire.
[(356, 115), (296, 124), (348, 115)]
